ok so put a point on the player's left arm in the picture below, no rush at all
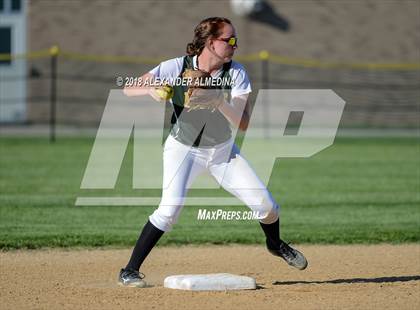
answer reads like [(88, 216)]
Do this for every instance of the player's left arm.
[(237, 111)]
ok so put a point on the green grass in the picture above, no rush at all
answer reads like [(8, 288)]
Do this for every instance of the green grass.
[(356, 191)]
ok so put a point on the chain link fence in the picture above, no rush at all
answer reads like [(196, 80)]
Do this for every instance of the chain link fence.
[(71, 89)]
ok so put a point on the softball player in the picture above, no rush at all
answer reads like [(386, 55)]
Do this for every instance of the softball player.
[(191, 149)]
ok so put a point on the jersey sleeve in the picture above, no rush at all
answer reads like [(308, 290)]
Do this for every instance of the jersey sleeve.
[(241, 82), (169, 69)]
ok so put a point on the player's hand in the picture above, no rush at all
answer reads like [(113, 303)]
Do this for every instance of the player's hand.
[(161, 93)]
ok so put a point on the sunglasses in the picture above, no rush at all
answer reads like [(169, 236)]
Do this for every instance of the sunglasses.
[(232, 41)]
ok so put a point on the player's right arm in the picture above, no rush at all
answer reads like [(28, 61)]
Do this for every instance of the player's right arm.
[(141, 88), (165, 70), (144, 88)]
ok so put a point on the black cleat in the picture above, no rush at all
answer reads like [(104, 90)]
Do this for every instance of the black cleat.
[(131, 278), (292, 256)]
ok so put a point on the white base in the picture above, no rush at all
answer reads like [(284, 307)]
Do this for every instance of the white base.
[(210, 282)]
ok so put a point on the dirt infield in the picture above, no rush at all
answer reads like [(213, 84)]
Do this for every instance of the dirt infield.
[(338, 277)]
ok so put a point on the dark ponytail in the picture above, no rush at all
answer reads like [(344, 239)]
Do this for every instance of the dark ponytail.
[(207, 28)]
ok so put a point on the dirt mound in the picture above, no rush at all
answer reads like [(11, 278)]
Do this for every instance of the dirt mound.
[(338, 277)]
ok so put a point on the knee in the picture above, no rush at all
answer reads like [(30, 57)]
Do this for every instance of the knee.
[(269, 211), (165, 217), (271, 215), (266, 207)]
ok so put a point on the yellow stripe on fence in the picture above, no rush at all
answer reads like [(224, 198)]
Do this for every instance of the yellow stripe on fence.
[(262, 56), (30, 55), (310, 63), (248, 58), (111, 58)]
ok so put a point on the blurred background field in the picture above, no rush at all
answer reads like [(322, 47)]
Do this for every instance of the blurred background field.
[(366, 51), (362, 189)]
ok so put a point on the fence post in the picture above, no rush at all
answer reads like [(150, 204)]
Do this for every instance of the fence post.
[(54, 51), (264, 57)]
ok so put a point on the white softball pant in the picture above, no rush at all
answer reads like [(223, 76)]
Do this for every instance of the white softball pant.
[(183, 163)]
